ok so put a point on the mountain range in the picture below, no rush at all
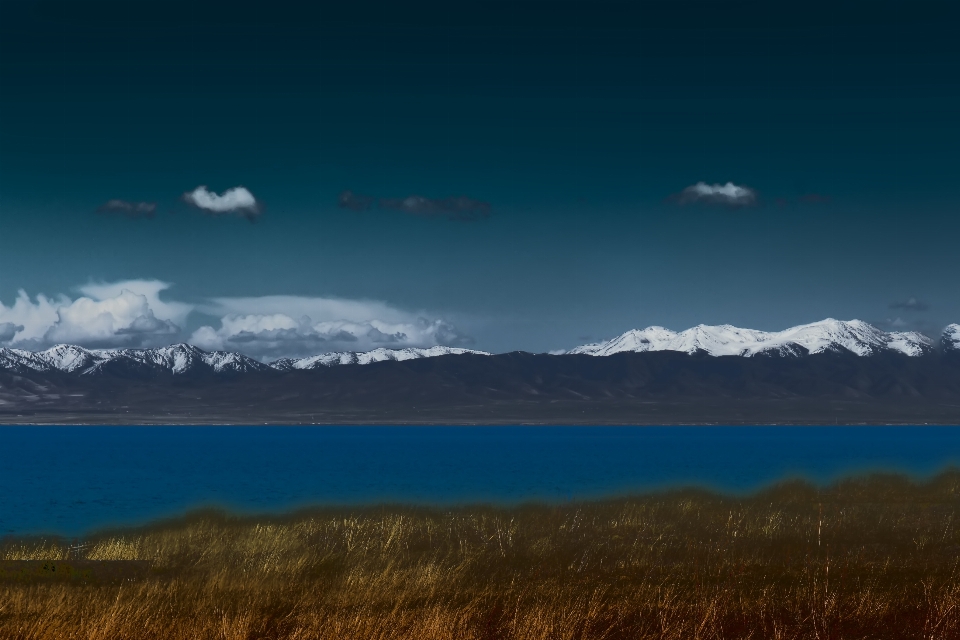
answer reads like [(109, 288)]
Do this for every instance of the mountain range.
[(827, 336), (825, 372), (185, 359)]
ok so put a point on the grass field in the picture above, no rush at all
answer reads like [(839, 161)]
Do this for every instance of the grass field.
[(872, 557)]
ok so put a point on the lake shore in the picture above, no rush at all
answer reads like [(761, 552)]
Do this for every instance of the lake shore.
[(734, 412), (866, 557)]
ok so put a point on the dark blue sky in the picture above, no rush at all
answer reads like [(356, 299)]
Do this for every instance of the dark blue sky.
[(570, 130)]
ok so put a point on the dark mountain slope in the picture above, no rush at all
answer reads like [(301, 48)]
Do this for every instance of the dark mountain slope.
[(655, 387)]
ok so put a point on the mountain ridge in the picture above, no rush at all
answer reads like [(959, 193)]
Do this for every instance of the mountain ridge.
[(829, 335)]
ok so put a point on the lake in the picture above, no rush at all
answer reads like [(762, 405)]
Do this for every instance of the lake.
[(74, 479)]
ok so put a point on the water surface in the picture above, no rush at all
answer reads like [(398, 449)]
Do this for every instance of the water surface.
[(70, 480)]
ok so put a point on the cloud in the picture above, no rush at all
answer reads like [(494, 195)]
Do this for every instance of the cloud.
[(128, 209), (728, 194), (293, 326), (8, 330), (177, 312), (461, 209), (123, 320), (130, 313), (353, 201), (121, 314), (910, 305), (236, 201)]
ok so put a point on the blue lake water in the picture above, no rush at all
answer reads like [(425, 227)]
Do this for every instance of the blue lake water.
[(71, 480)]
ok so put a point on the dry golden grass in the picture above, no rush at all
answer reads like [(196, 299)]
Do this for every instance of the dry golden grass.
[(868, 558)]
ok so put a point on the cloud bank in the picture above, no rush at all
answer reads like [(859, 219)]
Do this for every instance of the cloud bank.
[(727, 194), (130, 313), (236, 201), (120, 314), (290, 326)]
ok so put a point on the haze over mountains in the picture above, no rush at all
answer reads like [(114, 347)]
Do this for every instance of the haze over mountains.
[(825, 372)]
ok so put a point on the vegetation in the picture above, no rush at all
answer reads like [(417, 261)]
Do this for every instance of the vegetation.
[(873, 557)]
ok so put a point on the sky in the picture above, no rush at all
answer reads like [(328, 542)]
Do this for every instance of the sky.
[(284, 180)]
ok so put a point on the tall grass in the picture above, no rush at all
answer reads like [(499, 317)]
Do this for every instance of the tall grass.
[(872, 557)]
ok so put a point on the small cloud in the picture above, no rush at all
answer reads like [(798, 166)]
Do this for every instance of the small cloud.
[(814, 198), (236, 201), (729, 194), (910, 305), (353, 201), (128, 209), (461, 209), (8, 330)]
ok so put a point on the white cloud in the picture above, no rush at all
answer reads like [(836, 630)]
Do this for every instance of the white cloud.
[(278, 326), (36, 318), (237, 200), (128, 313), (729, 194), (176, 312)]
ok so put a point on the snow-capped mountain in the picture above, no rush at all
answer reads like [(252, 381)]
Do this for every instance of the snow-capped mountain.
[(181, 359), (367, 357), (176, 359), (951, 338), (854, 336)]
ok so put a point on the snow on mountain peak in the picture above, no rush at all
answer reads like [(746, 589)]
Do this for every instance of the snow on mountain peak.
[(854, 336), (368, 357), (951, 338), (180, 359)]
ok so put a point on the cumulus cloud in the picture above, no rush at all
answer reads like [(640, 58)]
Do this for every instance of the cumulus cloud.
[(294, 326), (461, 209), (728, 194), (121, 314), (911, 304), (236, 201), (128, 209), (123, 320)]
